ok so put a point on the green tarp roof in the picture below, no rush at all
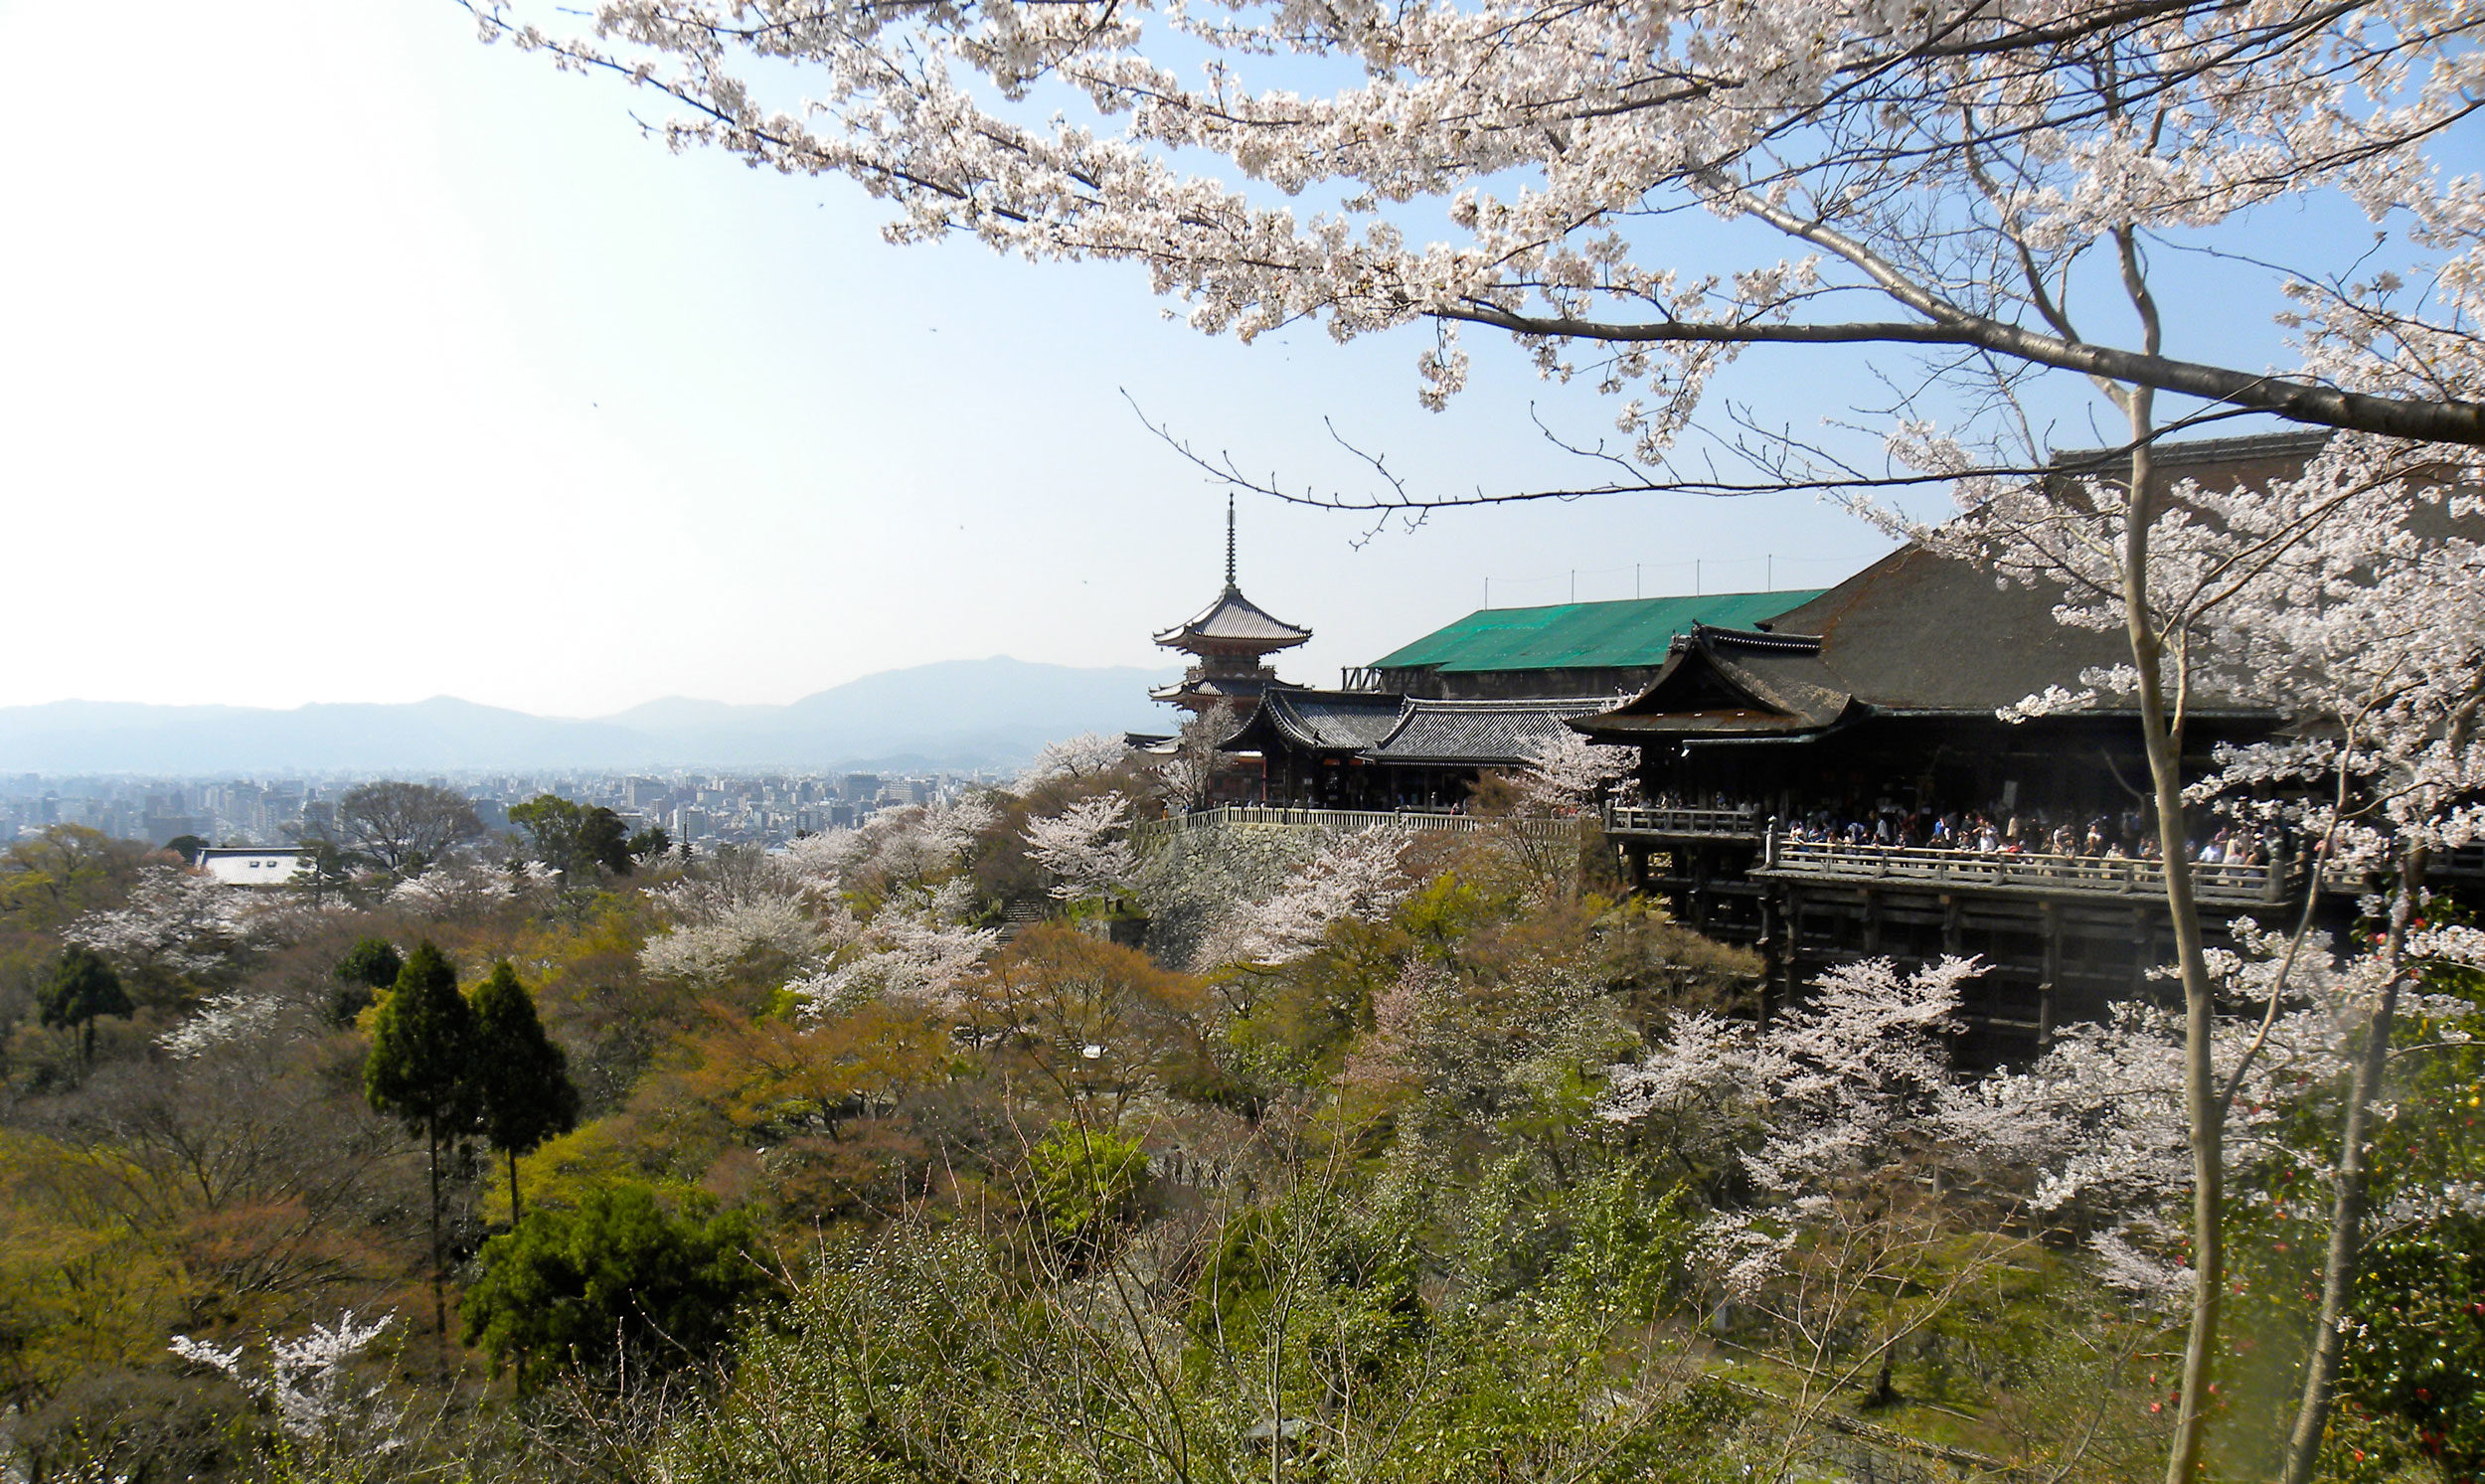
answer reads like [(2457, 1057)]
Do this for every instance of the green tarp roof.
[(1566, 637)]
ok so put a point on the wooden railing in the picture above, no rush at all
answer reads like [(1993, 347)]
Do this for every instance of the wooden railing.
[(1149, 833), (2221, 883), (1685, 824)]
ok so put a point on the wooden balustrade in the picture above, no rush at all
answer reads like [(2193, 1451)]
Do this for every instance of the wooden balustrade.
[(2217, 882), (1684, 824), (1148, 833)]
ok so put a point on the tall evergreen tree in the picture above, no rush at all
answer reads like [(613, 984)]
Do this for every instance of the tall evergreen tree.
[(422, 1069), (81, 988), (521, 1077), (372, 964)]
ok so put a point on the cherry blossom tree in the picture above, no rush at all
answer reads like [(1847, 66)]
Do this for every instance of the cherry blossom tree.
[(895, 848), (1086, 847), (1360, 876), (466, 889), (2352, 596), (1567, 773), (182, 923), (1832, 1089), (2374, 621), (1090, 754), (1181, 779), (917, 949), (1828, 1110), (748, 907), (307, 1383), (1939, 183)]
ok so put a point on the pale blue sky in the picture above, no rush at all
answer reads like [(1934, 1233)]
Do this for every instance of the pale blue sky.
[(344, 358)]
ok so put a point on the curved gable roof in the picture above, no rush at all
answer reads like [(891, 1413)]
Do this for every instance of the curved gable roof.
[(1318, 721)]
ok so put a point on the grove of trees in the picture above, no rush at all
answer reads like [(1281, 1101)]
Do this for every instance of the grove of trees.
[(1374, 1157)]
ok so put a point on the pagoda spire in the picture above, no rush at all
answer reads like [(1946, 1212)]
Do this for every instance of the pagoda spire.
[(1228, 639)]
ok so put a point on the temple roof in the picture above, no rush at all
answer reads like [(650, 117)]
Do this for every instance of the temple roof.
[(1569, 636), (1384, 727), (1916, 633), (1484, 733), (1233, 619), (1319, 720), (1221, 687), (1232, 622)]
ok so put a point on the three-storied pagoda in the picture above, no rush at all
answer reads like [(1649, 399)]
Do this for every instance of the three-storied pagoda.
[(1228, 641)]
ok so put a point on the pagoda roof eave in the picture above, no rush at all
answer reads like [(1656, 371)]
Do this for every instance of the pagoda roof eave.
[(1234, 621)]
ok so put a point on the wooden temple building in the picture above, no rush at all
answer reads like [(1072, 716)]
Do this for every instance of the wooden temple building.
[(1823, 775), (1834, 783), (1416, 729)]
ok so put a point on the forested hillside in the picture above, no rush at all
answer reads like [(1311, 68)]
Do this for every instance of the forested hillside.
[(976, 1143)]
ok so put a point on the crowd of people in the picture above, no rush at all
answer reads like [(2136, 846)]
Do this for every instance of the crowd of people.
[(2128, 836)]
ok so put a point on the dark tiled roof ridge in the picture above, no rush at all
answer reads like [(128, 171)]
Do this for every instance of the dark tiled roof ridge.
[(1497, 704), (1744, 638), (2306, 441)]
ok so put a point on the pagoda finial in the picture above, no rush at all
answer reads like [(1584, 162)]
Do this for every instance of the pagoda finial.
[(1228, 541)]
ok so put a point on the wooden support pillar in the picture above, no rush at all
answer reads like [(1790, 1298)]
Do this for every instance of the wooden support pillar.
[(2051, 915), (1872, 920), (2143, 952)]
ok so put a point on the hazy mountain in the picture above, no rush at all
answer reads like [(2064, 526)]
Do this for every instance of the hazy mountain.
[(959, 714)]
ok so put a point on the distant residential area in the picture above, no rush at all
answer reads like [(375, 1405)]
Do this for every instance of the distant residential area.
[(707, 809)]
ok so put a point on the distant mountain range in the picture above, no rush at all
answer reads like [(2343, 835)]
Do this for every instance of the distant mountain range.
[(959, 714)]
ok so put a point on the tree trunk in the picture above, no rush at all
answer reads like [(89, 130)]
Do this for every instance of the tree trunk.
[(515, 1210), (2161, 733), (2350, 1183)]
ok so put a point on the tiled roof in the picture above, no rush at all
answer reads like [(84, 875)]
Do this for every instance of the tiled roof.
[(1486, 734), (1336, 719), (1238, 687), (1916, 633), (1318, 721), (1571, 636), (1234, 619)]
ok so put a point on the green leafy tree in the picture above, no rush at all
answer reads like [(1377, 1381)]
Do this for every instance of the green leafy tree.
[(1088, 1181), (605, 841), (369, 967), (400, 828), (187, 846), (521, 1077), (82, 988), (2416, 1354), (574, 838), (422, 1070), (620, 1277), (648, 844)]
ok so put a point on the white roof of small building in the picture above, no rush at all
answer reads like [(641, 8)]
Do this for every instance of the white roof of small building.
[(239, 866)]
